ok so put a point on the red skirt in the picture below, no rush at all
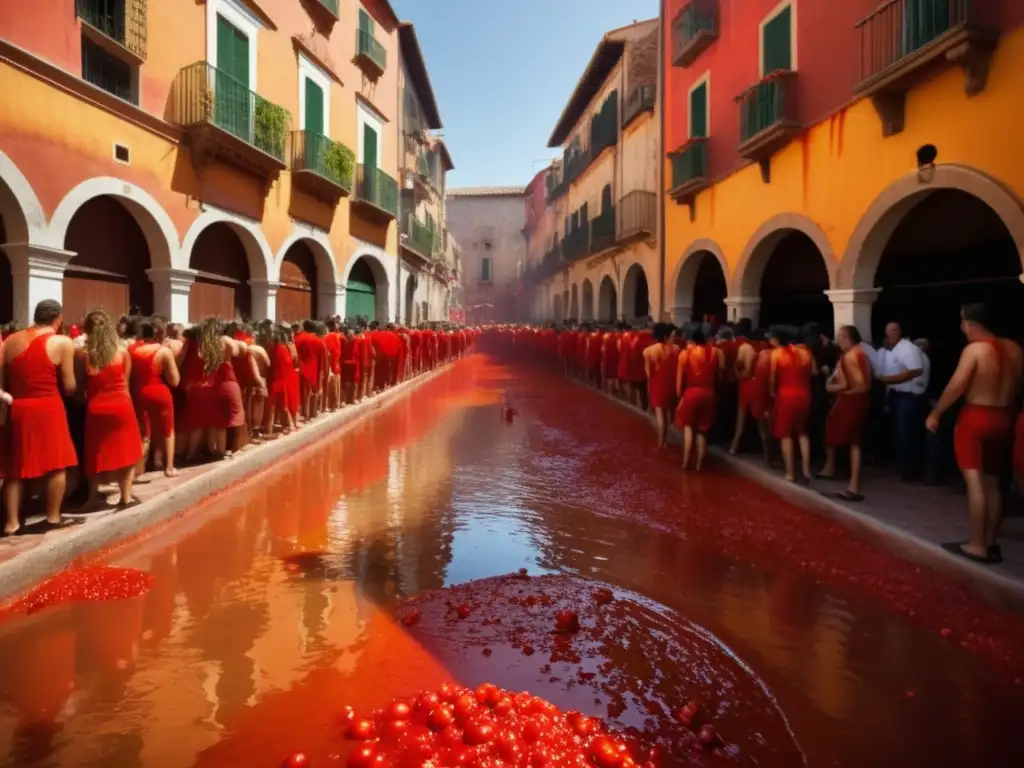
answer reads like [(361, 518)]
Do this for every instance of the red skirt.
[(845, 423), (112, 438), (790, 414), (154, 406), (697, 409), (982, 438), (38, 440)]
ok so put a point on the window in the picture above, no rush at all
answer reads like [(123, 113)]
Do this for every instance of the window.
[(777, 42), (108, 72), (485, 269), (366, 23), (698, 115), (314, 97)]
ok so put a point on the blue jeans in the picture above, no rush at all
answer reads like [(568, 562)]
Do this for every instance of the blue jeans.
[(907, 431)]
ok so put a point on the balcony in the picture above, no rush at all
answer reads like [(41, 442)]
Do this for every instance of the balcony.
[(576, 162), (641, 99), (637, 216), (223, 119), (371, 56), (323, 12), (904, 41), (768, 117), (689, 170), (321, 167), (418, 238), (694, 28), (576, 244), (375, 194), (117, 26), (604, 127), (555, 189), (602, 231)]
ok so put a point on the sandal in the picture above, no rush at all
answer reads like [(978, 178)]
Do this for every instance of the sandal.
[(134, 501), (957, 548), (849, 496), (995, 554)]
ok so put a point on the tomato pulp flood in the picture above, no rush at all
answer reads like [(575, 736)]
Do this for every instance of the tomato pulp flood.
[(373, 567)]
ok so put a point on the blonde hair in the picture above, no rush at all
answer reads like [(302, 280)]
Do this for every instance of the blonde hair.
[(211, 346), (101, 340)]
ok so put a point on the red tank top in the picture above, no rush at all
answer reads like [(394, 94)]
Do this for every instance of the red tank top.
[(700, 370), (32, 374), (793, 373), (106, 382), (145, 370)]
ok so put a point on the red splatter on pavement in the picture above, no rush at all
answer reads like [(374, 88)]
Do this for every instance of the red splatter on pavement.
[(88, 583)]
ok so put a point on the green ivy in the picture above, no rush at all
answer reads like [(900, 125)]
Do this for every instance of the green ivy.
[(340, 162), (271, 127)]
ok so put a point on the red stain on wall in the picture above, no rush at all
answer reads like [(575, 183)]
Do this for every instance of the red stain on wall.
[(839, 139), (805, 164)]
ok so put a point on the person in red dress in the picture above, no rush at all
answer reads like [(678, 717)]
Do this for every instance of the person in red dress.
[(609, 361), (351, 358), (698, 371), (743, 369), (153, 374), (635, 368), (113, 443), (282, 381), (34, 366), (660, 368), (368, 364), (844, 427), (332, 344), (310, 349), (792, 366)]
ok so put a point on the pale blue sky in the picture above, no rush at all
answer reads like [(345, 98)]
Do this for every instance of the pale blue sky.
[(502, 71)]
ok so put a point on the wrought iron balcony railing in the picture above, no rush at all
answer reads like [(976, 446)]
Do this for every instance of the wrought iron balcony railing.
[(768, 110), (123, 21), (641, 99), (331, 161), (602, 231), (694, 28), (370, 51), (375, 187)]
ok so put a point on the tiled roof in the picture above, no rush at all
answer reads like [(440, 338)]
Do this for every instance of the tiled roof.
[(486, 191)]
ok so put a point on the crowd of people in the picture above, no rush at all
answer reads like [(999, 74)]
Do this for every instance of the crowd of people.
[(810, 397), (102, 403)]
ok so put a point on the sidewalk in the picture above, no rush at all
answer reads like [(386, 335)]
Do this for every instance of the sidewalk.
[(29, 558), (910, 520)]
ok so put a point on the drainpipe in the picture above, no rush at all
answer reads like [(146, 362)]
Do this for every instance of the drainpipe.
[(660, 106), (401, 159)]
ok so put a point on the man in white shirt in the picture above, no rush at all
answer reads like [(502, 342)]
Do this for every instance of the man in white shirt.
[(901, 368)]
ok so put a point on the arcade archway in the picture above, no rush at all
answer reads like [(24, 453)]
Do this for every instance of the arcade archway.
[(607, 301), (700, 285), (588, 300), (636, 300), (565, 305), (297, 296), (574, 304), (557, 308), (366, 290), (221, 287), (108, 270), (410, 295)]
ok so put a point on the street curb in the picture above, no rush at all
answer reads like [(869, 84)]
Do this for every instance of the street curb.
[(32, 566), (994, 587)]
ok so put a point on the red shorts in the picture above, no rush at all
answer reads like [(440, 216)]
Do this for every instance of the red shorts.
[(982, 438), (845, 423), (790, 414), (697, 409)]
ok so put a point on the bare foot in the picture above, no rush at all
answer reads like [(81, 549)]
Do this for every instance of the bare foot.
[(11, 531), (170, 472)]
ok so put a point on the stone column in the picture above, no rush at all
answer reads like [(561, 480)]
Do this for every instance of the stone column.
[(681, 313), (330, 300), (852, 306), (738, 307), (38, 274), (264, 299), (171, 289)]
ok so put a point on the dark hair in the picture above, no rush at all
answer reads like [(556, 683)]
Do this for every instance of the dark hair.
[(781, 334), (852, 332), (976, 312), (810, 334), (757, 334), (744, 326), (332, 324), (147, 329), (697, 336), (309, 326), (47, 311), (662, 331)]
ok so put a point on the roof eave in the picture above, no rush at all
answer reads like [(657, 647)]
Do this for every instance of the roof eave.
[(417, 69), (606, 56)]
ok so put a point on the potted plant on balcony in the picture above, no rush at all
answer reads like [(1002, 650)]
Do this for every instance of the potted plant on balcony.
[(271, 127), (340, 162)]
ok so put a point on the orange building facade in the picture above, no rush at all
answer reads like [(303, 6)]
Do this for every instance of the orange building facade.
[(238, 158), (844, 163)]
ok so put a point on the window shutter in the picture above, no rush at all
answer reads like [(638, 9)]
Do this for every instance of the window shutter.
[(699, 111), (314, 107), (777, 43), (366, 23)]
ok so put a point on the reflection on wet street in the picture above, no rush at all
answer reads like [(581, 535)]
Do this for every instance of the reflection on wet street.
[(274, 604)]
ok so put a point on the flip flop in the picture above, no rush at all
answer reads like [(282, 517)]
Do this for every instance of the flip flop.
[(849, 496), (134, 501), (995, 554), (956, 547)]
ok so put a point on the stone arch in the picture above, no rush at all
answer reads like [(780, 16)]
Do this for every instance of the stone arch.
[(156, 225), (556, 308), (871, 235), (685, 277), (588, 300), (326, 269), (257, 250), (574, 303), (746, 279), (636, 293), (20, 210), (565, 304), (607, 300), (363, 263)]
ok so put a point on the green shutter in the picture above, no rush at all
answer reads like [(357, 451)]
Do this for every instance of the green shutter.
[(232, 94), (369, 146), (923, 21), (365, 22), (777, 42), (699, 111), (485, 269), (314, 107)]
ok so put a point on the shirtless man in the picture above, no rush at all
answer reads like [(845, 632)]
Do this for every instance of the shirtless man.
[(39, 444), (988, 377), (844, 427), (660, 369)]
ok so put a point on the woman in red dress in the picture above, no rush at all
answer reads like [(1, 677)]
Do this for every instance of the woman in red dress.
[(283, 381), (790, 380), (113, 444), (660, 368), (153, 373), (351, 362), (332, 343), (213, 397), (700, 366)]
